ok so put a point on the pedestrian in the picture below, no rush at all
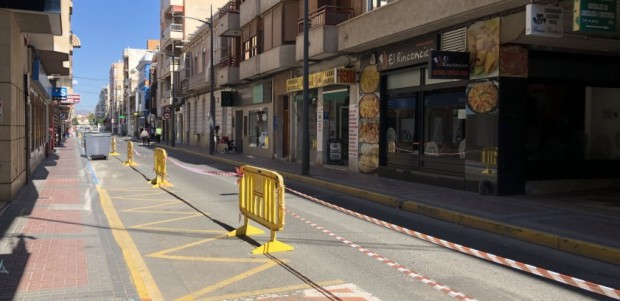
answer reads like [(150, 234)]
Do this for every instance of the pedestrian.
[(158, 134), (145, 136)]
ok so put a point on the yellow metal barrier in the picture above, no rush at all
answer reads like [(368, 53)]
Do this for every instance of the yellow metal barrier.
[(160, 168), (130, 161), (261, 199), (488, 158), (114, 152)]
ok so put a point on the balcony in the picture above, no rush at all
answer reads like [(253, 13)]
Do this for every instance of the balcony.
[(249, 11), (227, 71), (322, 32), (250, 68), (277, 59), (198, 81), (227, 23), (174, 31), (166, 4), (377, 28), (167, 66)]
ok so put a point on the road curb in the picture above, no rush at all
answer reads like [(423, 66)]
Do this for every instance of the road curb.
[(558, 242)]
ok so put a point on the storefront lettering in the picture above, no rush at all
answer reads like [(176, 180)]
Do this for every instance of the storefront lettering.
[(401, 57)]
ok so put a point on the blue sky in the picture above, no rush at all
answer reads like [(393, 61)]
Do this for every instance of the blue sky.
[(105, 28)]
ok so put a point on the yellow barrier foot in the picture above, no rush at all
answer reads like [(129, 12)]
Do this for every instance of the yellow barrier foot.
[(273, 246), (114, 154), (246, 230), (130, 163)]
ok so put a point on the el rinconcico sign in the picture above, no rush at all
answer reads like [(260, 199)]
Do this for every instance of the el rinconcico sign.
[(322, 79)]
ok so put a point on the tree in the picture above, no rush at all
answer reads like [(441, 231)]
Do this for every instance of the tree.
[(91, 118), (74, 121)]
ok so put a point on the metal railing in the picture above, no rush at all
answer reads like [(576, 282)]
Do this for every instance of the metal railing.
[(326, 15)]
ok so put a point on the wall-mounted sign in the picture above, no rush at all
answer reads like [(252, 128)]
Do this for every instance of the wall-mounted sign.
[(59, 93), (543, 20), (1, 112), (594, 15), (322, 79), (449, 65), (411, 53), (483, 47)]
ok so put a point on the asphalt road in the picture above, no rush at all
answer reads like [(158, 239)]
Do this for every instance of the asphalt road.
[(175, 244)]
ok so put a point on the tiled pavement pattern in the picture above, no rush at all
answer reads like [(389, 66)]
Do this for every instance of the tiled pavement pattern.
[(56, 244)]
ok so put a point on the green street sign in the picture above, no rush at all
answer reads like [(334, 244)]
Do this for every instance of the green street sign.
[(594, 16), (121, 116)]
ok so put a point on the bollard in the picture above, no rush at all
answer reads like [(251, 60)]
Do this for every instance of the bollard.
[(261, 199), (130, 161), (160, 169), (114, 152)]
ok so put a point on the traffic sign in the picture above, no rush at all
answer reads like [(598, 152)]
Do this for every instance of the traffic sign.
[(166, 115)]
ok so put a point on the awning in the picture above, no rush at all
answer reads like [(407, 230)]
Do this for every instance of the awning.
[(75, 41), (335, 95)]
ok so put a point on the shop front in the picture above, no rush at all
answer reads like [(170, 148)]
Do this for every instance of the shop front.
[(254, 117), (329, 96)]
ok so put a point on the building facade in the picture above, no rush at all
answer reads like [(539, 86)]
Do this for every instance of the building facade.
[(36, 56), (117, 101), (482, 95)]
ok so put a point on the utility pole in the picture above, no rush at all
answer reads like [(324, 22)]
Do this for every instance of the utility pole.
[(305, 142)]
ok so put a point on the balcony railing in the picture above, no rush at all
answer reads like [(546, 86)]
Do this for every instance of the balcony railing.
[(228, 61), (326, 15), (230, 7)]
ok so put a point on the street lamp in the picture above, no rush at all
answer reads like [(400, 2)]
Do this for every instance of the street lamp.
[(211, 83)]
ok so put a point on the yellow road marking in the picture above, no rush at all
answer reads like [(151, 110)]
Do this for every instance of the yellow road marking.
[(164, 253), (190, 215), (229, 281), (154, 206), (142, 278), (271, 290)]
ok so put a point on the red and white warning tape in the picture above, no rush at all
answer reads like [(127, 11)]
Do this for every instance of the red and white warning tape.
[(428, 281), (576, 282)]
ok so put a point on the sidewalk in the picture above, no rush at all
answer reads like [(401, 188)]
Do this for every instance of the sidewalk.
[(584, 223), (54, 244)]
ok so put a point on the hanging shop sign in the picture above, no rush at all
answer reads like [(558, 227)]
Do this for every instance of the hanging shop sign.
[(322, 79), (543, 20), (449, 65), (594, 15), (71, 99), (411, 53), (59, 93)]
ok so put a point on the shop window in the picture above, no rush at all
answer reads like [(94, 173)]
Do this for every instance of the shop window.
[(444, 124), (401, 134), (259, 128)]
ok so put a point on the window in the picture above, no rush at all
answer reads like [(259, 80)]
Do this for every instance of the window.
[(401, 134), (204, 60), (250, 39), (259, 128), (444, 124)]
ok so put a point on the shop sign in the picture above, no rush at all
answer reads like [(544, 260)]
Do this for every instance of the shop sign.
[(322, 79), (71, 99), (59, 93), (594, 15), (543, 20), (63, 116), (449, 65), (414, 52)]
